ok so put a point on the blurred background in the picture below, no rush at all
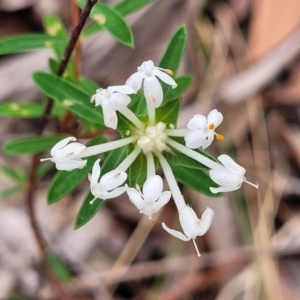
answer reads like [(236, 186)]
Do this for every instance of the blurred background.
[(245, 58)]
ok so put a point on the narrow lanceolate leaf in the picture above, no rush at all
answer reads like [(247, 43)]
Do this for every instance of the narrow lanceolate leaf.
[(125, 127), (54, 26), (65, 182), (10, 191), (113, 22), (21, 110), (32, 144), (173, 55), (18, 176), (124, 8), (168, 112), (59, 267), (68, 95), (88, 85), (87, 210), (137, 172), (183, 82), (28, 42)]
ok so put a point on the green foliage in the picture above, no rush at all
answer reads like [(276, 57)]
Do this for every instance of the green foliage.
[(112, 22), (124, 9), (87, 210), (168, 112), (29, 42), (68, 95), (183, 83), (65, 182), (137, 172), (173, 55), (32, 145), (59, 267), (18, 176)]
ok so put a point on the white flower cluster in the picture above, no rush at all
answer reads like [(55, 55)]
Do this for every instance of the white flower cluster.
[(153, 140)]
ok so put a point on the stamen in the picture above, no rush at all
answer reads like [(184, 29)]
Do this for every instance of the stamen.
[(92, 201), (198, 253), (169, 72), (252, 184), (219, 137), (89, 176), (93, 98), (211, 126), (44, 159)]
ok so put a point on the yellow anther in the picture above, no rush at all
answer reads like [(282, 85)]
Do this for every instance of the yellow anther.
[(212, 126), (93, 98), (220, 137), (153, 98), (169, 72)]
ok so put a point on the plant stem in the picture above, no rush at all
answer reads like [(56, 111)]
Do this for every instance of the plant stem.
[(29, 197)]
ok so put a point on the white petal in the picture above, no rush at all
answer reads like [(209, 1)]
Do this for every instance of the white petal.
[(69, 165), (197, 122), (101, 95), (96, 172), (195, 139), (152, 188), (153, 91), (135, 80), (205, 222), (175, 233), (209, 139), (215, 117), (224, 189), (119, 101), (62, 143), (136, 198), (163, 199), (188, 219), (165, 77), (110, 115), (114, 193), (123, 89), (146, 66), (223, 177), (68, 152), (231, 165), (113, 179)]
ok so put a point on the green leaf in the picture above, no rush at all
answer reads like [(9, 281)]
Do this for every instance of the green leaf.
[(43, 169), (28, 42), (173, 55), (137, 172), (125, 127), (138, 104), (21, 110), (87, 210), (113, 22), (88, 85), (124, 8), (59, 267), (183, 82), (65, 182), (32, 144), (10, 191), (68, 95), (168, 112), (18, 176), (54, 26)]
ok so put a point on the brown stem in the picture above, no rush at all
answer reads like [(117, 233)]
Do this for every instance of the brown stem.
[(41, 242)]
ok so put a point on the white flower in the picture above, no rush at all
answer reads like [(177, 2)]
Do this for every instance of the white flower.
[(147, 72), (230, 176), (66, 156), (191, 225), (152, 199), (108, 185), (112, 99), (203, 130)]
